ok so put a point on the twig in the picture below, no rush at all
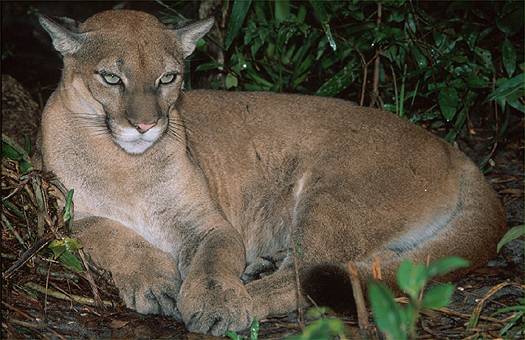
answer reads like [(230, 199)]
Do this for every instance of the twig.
[(365, 77), (16, 310), (362, 313), (35, 248), (13, 230), (61, 276), (12, 208), (375, 83), (47, 286), (395, 87), (89, 278), (38, 326), (428, 330), (17, 189), (473, 320), (461, 315), (73, 298), (448, 311)]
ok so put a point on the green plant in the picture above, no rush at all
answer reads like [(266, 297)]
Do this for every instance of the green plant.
[(323, 328), (515, 326), (13, 151), (512, 234), (63, 249), (434, 63), (398, 322), (254, 332)]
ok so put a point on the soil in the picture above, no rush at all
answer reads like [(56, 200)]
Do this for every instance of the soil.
[(26, 314)]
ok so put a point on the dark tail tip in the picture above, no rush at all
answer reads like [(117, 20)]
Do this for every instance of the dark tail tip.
[(329, 285)]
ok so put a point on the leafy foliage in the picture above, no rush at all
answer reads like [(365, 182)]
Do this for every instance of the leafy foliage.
[(399, 322), (64, 250), (432, 62), (513, 233), (323, 328), (254, 332), (515, 325), (13, 151)]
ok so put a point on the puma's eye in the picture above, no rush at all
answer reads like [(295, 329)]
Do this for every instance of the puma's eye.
[(111, 79), (167, 78)]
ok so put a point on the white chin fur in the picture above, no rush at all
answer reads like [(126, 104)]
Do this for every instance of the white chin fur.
[(136, 147), (134, 142)]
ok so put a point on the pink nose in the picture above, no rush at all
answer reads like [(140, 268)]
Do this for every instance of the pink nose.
[(144, 127)]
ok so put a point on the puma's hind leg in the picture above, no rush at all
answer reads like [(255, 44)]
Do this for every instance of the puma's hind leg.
[(468, 226), (147, 278)]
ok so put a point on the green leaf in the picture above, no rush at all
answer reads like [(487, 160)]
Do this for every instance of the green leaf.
[(340, 81), (233, 335), (254, 329), (386, 312), (485, 56), (411, 22), (315, 313), (421, 60), (57, 247), (209, 66), (510, 21), (476, 81), (231, 81), (509, 57), (72, 244), (408, 316), (71, 261), (9, 152), (517, 308), (511, 323), (322, 16), (438, 296), (25, 167), (239, 10), (508, 87), (411, 278), (13, 151), (282, 10), (328, 328), (448, 102), (513, 233), (68, 208), (446, 265)]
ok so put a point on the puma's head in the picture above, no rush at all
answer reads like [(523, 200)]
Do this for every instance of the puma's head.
[(130, 66)]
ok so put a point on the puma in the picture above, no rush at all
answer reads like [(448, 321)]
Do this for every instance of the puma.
[(187, 197)]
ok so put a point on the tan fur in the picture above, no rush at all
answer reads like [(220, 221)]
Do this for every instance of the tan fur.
[(237, 178)]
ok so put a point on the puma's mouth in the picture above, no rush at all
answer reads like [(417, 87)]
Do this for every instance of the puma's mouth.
[(135, 142)]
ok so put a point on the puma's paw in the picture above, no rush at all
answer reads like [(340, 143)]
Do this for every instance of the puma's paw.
[(215, 305), (149, 293)]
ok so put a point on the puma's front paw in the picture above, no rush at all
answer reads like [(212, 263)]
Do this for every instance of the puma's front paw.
[(215, 305), (150, 291)]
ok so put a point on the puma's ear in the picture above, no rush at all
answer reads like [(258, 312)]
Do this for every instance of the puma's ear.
[(65, 41), (189, 35)]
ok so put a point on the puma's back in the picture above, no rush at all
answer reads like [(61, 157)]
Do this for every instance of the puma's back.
[(373, 166)]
